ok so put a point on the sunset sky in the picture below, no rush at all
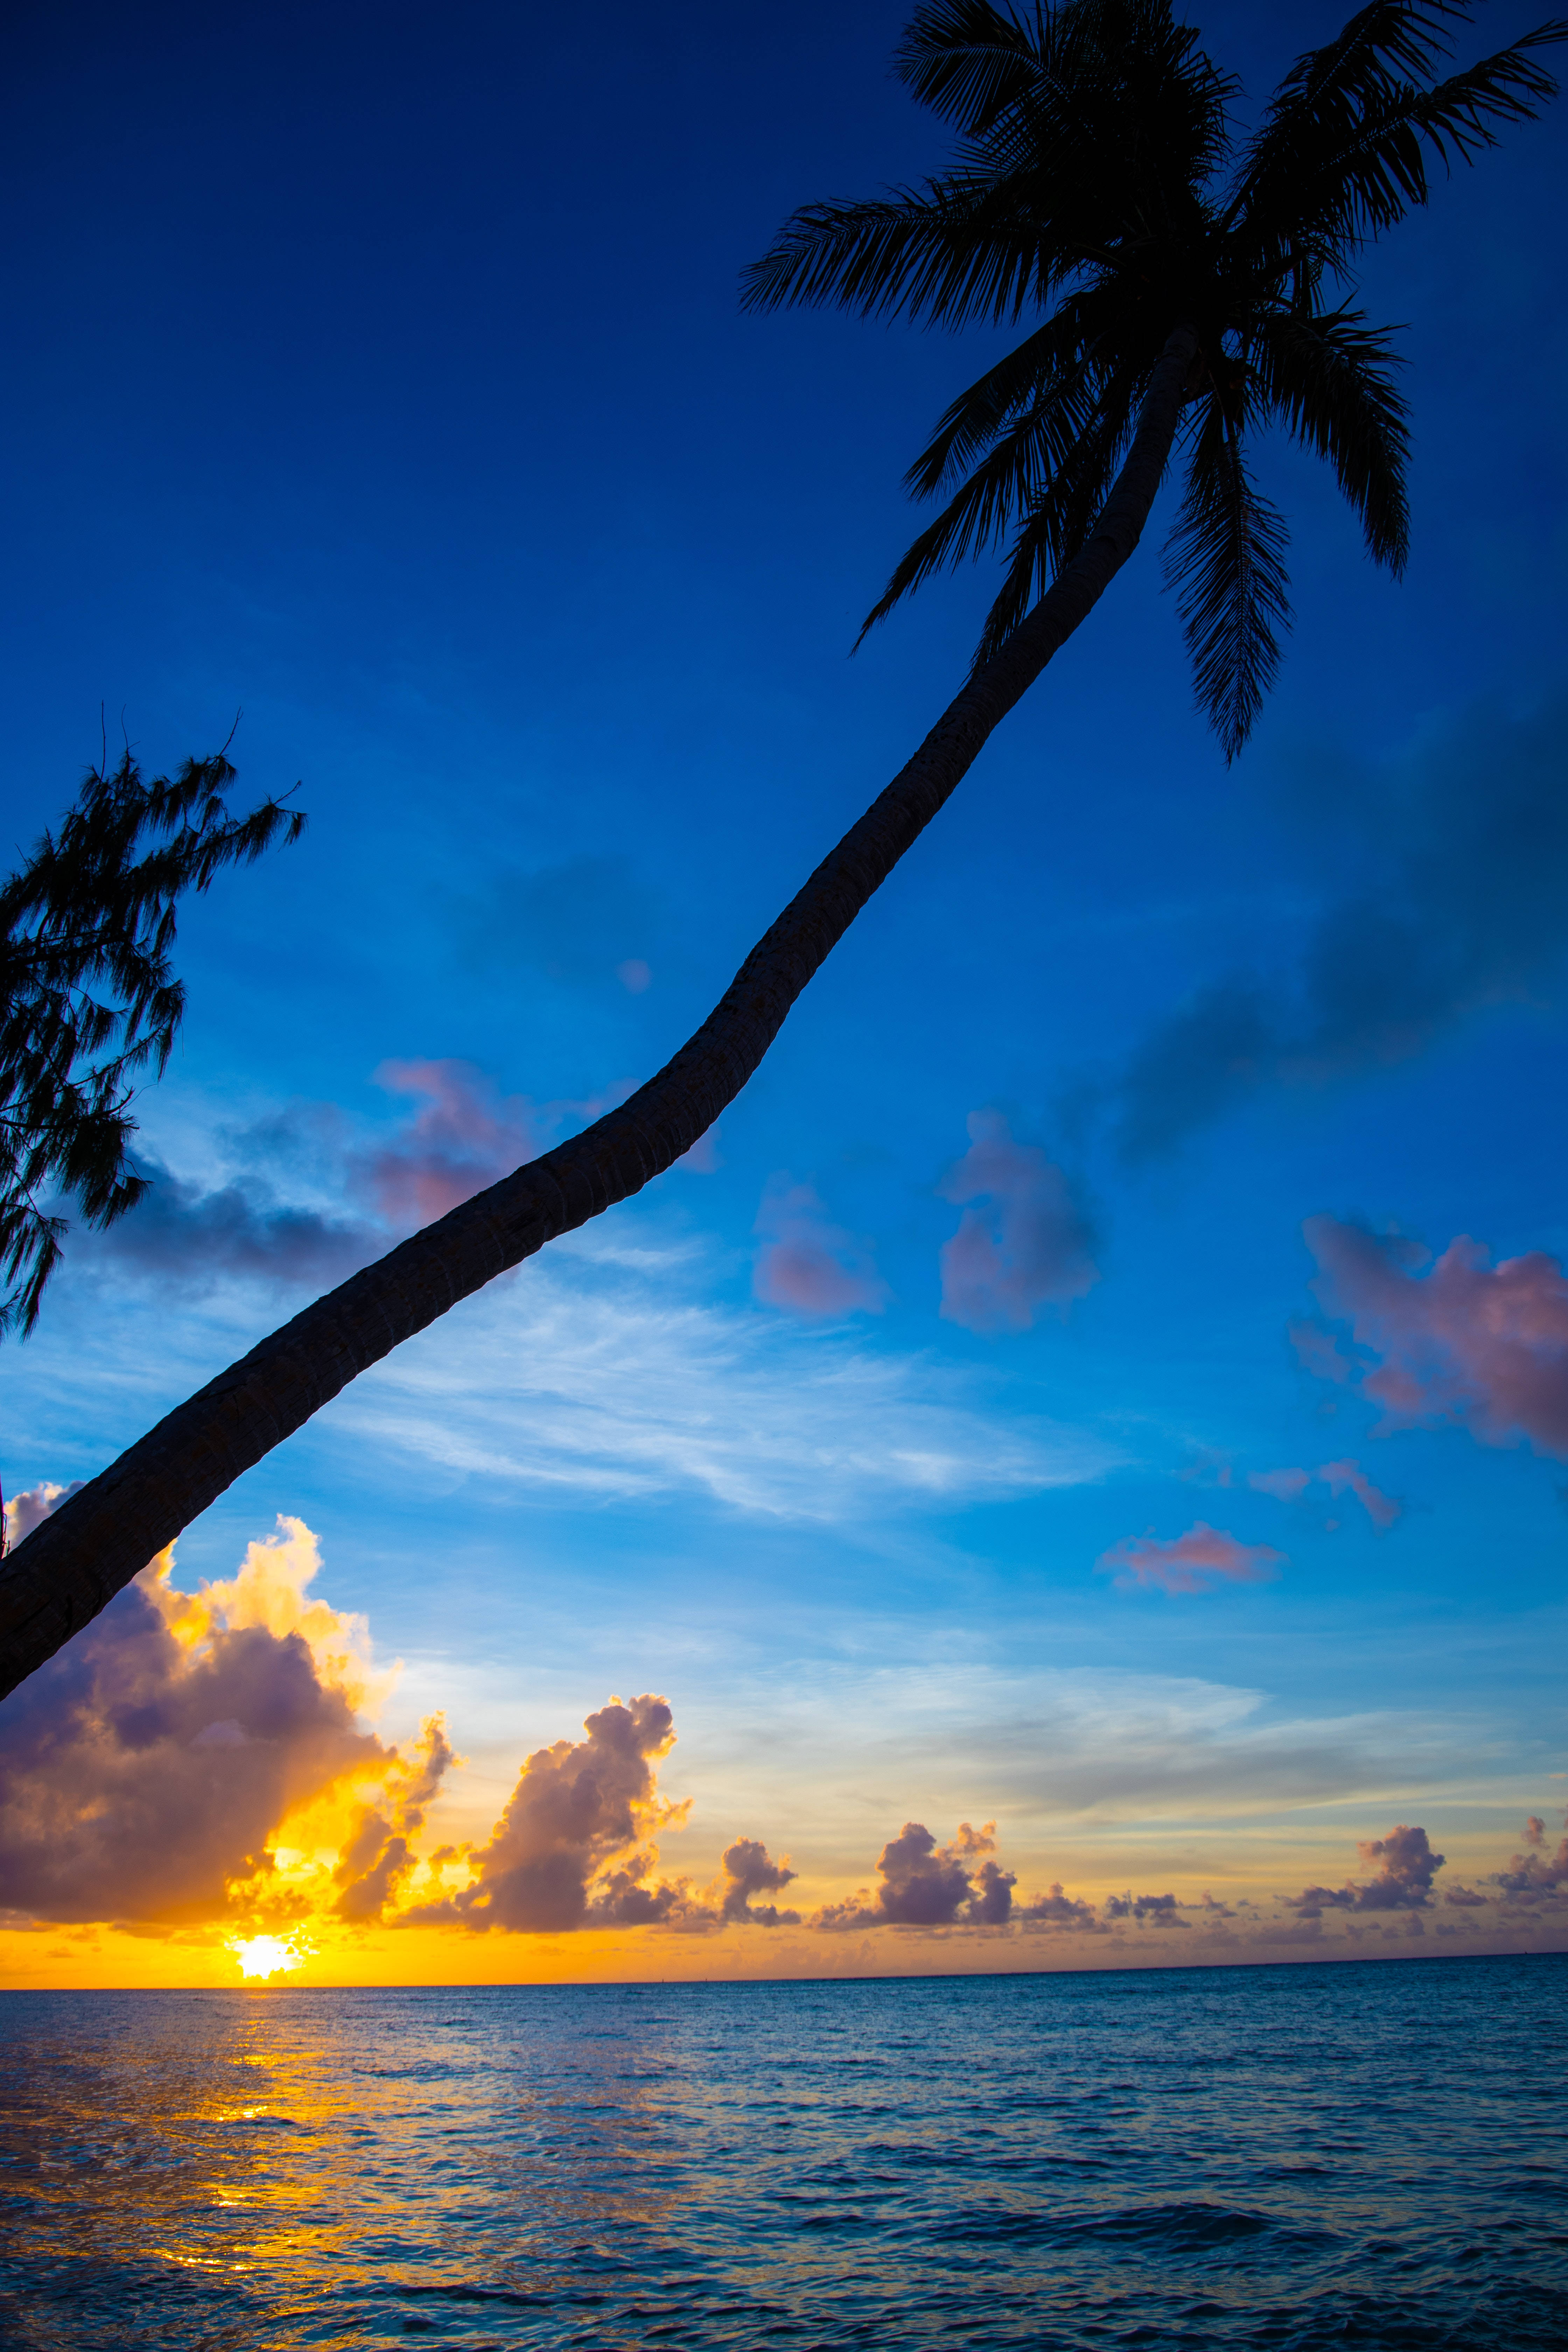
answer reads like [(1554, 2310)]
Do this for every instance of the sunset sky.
[(1101, 1395)]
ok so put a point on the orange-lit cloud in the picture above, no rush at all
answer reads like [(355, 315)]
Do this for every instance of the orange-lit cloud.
[(203, 1766)]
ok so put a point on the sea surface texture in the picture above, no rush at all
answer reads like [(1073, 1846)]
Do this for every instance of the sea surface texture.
[(1364, 2154)]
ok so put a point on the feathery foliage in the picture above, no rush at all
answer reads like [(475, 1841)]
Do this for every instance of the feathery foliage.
[(1097, 179), (89, 1000)]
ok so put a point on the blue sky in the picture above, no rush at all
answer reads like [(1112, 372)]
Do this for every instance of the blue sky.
[(379, 372)]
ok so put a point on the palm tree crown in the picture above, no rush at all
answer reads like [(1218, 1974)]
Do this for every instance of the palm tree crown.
[(1099, 180)]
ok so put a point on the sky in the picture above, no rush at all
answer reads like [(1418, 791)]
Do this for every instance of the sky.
[(1069, 1472)]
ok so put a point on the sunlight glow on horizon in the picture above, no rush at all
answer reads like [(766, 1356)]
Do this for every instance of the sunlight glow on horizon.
[(266, 1956)]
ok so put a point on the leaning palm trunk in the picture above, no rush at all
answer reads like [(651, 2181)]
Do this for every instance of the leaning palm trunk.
[(73, 1565)]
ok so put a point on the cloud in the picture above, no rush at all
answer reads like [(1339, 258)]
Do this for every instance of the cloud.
[(1340, 1478), (808, 1264), (748, 1871), (467, 1136), (1024, 1242), (1463, 905), (1157, 1910), (1349, 1477), (32, 1506), (1055, 1911), (463, 1135), (595, 1372), (1403, 1882), (1450, 1339), (571, 1850), (148, 1768), (182, 1234), (928, 1886), (1535, 1875), (1189, 1563)]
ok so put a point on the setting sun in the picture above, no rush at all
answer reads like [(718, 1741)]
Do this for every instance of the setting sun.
[(266, 1956)]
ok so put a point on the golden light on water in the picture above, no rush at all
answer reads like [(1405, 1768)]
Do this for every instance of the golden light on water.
[(266, 1956)]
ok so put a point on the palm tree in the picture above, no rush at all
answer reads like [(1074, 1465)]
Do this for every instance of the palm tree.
[(1189, 288)]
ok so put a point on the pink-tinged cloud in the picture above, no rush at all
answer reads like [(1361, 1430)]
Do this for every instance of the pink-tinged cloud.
[(466, 1137), (1194, 1562), (1024, 1246), (634, 975), (1453, 1339), (1340, 1478), (1408, 1867), (1349, 1477), (1285, 1486), (807, 1264)]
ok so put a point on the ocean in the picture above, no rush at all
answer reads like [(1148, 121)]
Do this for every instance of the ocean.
[(1365, 2154)]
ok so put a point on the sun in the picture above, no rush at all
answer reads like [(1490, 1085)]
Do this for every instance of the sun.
[(265, 1956)]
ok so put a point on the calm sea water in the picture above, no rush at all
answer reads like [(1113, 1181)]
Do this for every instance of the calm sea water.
[(1364, 2154)]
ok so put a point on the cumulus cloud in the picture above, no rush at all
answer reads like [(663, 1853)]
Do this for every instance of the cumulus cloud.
[(1463, 904), (1194, 1562), (146, 1771), (809, 1265), (928, 1886), (1448, 1340), (1157, 1910), (749, 1871), (28, 1509), (1055, 1911), (1403, 1881), (1535, 1875), (1023, 1242), (572, 1848)]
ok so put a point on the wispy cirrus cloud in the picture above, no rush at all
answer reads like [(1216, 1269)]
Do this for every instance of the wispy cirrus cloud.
[(574, 1378)]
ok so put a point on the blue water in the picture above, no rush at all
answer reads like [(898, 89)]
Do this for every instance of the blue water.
[(1315, 2156)]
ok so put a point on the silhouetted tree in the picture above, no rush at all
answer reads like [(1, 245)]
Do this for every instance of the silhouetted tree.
[(89, 1000)]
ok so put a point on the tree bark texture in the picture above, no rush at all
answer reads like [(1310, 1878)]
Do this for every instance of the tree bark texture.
[(75, 1562)]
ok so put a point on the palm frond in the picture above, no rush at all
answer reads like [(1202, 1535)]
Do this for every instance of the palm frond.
[(1061, 519), (1225, 557), (1344, 154), (956, 249), (1329, 380), (1063, 348), (1014, 477), (966, 59)]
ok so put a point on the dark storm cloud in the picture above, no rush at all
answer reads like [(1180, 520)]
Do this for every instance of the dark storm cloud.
[(1463, 904)]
